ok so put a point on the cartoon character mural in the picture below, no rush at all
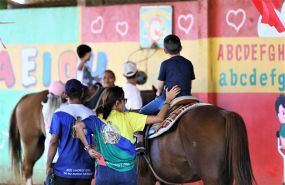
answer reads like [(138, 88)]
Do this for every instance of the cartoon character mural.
[(280, 111)]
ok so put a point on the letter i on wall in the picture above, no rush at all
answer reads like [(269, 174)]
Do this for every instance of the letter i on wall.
[(46, 69)]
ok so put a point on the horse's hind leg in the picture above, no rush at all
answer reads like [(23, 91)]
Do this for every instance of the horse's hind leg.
[(34, 148)]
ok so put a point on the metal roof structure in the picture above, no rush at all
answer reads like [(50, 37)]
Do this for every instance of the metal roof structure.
[(53, 3)]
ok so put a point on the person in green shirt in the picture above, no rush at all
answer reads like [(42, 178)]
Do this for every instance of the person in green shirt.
[(114, 136)]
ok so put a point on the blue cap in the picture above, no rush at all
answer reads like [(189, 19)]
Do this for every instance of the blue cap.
[(73, 86)]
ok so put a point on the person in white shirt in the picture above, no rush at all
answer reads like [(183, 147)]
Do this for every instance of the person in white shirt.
[(53, 102), (132, 93), (83, 71)]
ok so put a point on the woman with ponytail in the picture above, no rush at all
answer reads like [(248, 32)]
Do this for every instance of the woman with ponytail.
[(114, 136)]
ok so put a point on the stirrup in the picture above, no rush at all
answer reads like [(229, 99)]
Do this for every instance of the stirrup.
[(140, 149)]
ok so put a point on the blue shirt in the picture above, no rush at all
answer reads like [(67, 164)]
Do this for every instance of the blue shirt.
[(177, 70), (74, 161)]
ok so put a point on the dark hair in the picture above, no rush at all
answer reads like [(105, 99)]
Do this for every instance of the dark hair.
[(74, 88), (172, 44), (74, 93), (134, 76), (82, 50), (280, 101), (111, 72), (110, 96)]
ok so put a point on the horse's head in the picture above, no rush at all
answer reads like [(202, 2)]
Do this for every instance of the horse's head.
[(154, 89), (148, 95)]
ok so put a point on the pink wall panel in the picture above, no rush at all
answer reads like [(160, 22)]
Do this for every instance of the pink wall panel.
[(258, 112), (234, 18), (121, 23), (108, 24)]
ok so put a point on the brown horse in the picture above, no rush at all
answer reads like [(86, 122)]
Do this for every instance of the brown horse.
[(27, 124), (208, 143)]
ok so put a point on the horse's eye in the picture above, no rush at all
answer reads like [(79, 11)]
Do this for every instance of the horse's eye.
[(45, 100)]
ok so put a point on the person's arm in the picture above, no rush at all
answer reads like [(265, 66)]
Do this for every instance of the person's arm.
[(81, 64), (160, 85), (79, 127), (80, 134), (161, 79), (55, 130), (190, 86), (51, 151), (192, 75), (170, 95)]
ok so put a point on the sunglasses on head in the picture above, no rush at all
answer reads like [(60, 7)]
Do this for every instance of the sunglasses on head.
[(123, 99)]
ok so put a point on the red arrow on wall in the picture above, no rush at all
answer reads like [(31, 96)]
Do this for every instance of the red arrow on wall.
[(268, 14)]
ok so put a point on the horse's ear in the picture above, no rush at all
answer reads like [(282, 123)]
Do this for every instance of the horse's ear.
[(154, 89)]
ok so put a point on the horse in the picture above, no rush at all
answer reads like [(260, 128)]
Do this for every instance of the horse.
[(27, 124), (207, 143)]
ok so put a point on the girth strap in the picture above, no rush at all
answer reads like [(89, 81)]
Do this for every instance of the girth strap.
[(154, 173)]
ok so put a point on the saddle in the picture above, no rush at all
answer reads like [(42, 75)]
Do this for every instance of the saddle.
[(183, 100), (178, 107)]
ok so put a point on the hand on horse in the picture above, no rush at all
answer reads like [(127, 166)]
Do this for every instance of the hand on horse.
[(164, 124), (93, 153), (172, 93)]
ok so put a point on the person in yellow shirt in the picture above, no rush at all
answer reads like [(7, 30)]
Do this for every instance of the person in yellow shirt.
[(114, 136)]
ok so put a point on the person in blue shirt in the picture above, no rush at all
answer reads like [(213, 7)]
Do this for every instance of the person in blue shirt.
[(74, 166), (176, 70)]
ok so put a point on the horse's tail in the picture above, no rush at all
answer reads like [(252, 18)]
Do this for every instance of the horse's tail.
[(15, 144), (238, 158)]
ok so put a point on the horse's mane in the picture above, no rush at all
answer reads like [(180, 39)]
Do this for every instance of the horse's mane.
[(52, 103)]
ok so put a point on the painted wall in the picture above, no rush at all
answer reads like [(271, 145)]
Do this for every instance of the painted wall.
[(236, 67)]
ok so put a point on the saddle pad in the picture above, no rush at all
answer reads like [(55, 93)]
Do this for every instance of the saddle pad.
[(156, 129), (181, 99)]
